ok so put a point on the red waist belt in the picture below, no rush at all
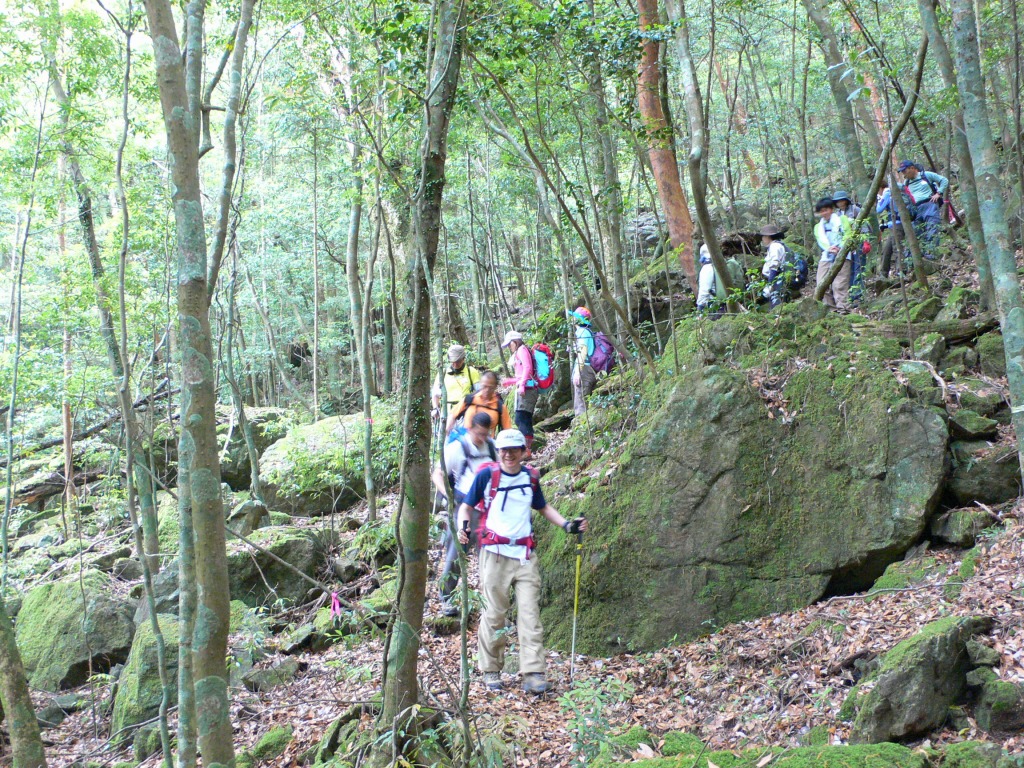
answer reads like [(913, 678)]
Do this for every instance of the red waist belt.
[(490, 538)]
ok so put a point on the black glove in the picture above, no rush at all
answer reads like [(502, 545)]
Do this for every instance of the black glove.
[(572, 527)]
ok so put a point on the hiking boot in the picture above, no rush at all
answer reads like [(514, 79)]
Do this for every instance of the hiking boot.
[(536, 683), (448, 609), (492, 681)]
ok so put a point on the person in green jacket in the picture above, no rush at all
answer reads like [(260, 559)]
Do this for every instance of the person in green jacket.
[(829, 233)]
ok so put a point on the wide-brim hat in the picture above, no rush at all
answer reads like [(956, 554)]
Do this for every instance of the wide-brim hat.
[(842, 194), (769, 230)]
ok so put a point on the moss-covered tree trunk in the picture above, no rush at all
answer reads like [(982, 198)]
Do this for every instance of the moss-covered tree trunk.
[(847, 124), (661, 149), (968, 189), (22, 725), (197, 447), (991, 206), (401, 690)]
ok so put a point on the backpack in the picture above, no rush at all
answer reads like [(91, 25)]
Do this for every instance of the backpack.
[(603, 358), (795, 266), (461, 429), (486, 536), (543, 370), (491, 451)]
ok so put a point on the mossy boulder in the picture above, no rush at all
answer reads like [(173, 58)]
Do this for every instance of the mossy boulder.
[(904, 574), (960, 527), (926, 311), (971, 754), (966, 424), (957, 303), (317, 469), (255, 577), (273, 743), (266, 678), (62, 635), (710, 505), (983, 472), (138, 688), (917, 681), (1000, 707), (268, 426), (991, 354), (980, 396), (930, 347), (852, 756)]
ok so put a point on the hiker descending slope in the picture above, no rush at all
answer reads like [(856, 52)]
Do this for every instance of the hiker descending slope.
[(487, 400), (459, 380), (773, 271), (510, 492), (925, 191), (891, 226), (705, 281), (583, 376), (848, 209), (829, 233), (527, 384), (462, 458)]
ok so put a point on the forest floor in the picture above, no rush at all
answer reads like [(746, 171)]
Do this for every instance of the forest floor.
[(763, 682)]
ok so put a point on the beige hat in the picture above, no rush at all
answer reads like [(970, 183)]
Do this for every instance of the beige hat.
[(510, 337), (456, 352)]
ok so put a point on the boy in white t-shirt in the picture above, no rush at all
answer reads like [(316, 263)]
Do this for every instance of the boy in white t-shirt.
[(506, 541)]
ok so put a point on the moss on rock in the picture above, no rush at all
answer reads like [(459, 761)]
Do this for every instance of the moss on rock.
[(903, 574), (273, 743), (138, 690), (61, 634), (255, 577), (854, 756)]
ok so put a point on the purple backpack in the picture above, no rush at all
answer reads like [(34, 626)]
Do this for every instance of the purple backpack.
[(603, 358)]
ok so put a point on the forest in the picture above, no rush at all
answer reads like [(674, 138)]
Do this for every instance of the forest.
[(247, 246)]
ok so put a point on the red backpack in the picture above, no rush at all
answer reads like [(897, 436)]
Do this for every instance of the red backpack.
[(543, 370), (486, 536)]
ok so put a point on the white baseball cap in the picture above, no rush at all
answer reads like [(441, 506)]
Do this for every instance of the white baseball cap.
[(509, 438), (510, 337)]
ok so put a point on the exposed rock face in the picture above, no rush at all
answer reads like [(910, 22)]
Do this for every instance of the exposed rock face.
[(256, 577), (918, 680), (138, 688), (711, 509), (318, 468), (61, 634)]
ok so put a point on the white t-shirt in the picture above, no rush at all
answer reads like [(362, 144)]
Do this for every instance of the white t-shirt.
[(511, 513), (775, 258), (462, 459), (705, 285)]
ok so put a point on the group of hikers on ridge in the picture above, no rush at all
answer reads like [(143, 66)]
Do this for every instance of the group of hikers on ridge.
[(485, 443), (496, 493), (784, 273)]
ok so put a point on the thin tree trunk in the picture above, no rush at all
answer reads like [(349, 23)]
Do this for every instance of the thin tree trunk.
[(401, 689), (660, 145), (197, 447), (841, 96), (968, 188), (992, 207), (22, 724)]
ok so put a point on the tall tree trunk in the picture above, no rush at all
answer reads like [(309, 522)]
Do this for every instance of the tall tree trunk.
[(841, 96), (401, 689), (197, 447), (661, 148), (991, 207), (695, 113), (968, 188), (22, 724)]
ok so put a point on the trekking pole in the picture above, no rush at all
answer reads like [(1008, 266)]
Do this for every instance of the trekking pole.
[(575, 604), (465, 528)]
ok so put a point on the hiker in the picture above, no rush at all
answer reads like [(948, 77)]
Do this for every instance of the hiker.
[(847, 208), (462, 458), (706, 293), (889, 222), (774, 269), (583, 376), (485, 399), (526, 384), (459, 380), (925, 191), (506, 542), (829, 233)]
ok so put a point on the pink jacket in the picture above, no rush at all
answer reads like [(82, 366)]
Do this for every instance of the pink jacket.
[(522, 362)]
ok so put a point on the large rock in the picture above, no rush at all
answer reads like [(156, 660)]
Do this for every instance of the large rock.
[(715, 506), (138, 688), (165, 594), (317, 469), (63, 637), (991, 354), (911, 692), (983, 472), (256, 577)]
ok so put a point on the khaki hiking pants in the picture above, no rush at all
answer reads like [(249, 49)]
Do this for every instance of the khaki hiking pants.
[(838, 294), (581, 391), (497, 577)]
